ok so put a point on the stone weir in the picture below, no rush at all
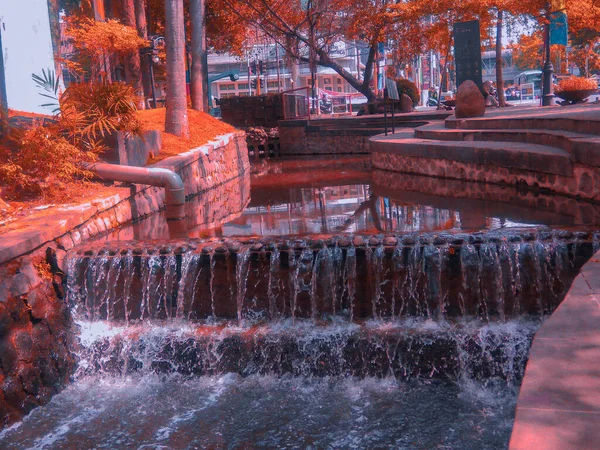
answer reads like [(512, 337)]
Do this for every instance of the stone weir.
[(492, 276)]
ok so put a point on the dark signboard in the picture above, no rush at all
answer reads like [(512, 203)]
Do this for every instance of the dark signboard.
[(467, 52)]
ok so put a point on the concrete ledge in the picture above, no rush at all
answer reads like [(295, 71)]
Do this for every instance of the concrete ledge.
[(583, 148), (364, 121), (559, 401), (586, 124), (344, 135), (529, 157)]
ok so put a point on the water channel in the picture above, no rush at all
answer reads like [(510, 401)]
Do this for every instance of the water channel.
[(310, 307)]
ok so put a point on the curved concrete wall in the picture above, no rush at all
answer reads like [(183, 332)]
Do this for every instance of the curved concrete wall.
[(505, 167)]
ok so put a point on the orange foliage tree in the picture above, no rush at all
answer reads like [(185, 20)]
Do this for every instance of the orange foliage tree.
[(307, 29), (428, 25), (583, 14), (528, 53), (584, 25), (94, 42)]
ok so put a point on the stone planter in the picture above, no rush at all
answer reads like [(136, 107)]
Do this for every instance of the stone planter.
[(575, 96), (132, 150)]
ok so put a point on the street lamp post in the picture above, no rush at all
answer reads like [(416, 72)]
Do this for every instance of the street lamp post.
[(548, 88)]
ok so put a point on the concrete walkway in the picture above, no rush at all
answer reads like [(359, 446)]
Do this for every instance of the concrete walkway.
[(559, 402)]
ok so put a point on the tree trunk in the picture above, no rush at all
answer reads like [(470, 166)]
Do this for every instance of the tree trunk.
[(205, 74), (292, 63), (133, 71), (142, 27), (176, 121), (99, 10), (197, 72), (363, 87), (499, 61), (587, 61)]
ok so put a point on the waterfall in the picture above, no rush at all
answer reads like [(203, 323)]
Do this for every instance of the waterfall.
[(408, 348), (489, 276)]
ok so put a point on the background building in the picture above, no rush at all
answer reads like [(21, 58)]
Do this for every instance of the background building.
[(26, 48), (349, 55)]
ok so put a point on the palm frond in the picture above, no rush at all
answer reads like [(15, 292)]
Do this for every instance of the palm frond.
[(50, 83)]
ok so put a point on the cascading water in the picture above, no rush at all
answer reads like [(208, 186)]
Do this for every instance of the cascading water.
[(434, 306), (492, 277), (288, 343)]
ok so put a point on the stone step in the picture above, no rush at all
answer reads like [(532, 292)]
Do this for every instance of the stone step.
[(583, 148), (514, 155), (360, 131), (364, 126), (588, 123)]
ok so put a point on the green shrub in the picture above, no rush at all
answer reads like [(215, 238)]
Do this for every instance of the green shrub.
[(40, 162), (47, 160), (92, 111), (409, 88)]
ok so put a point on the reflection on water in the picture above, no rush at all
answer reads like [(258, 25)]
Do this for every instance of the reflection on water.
[(351, 208), (293, 198)]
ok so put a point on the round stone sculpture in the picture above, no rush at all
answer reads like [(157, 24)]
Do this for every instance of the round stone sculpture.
[(469, 101)]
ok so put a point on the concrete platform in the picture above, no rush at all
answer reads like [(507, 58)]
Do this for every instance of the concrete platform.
[(559, 401), (531, 157), (575, 118), (549, 149), (583, 148)]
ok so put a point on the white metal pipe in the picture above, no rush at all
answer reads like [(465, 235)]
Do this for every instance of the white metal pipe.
[(171, 181)]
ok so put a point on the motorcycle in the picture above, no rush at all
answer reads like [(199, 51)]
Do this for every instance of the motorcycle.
[(325, 106)]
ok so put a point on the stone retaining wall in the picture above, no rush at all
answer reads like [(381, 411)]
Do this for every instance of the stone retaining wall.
[(584, 181), (486, 199), (314, 140), (35, 352), (324, 135), (36, 360)]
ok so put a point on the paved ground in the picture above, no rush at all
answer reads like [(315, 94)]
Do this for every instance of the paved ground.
[(584, 111), (559, 401)]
